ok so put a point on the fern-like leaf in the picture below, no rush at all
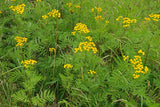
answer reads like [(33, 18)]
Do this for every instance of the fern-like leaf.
[(43, 98)]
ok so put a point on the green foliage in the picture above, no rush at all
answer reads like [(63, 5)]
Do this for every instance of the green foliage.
[(43, 98), (21, 96), (102, 78)]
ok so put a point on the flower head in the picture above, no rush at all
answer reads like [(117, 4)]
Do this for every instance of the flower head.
[(68, 66), (81, 28), (44, 17), (52, 49), (54, 13), (20, 40), (28, 63), (19, 8), (91, 72)]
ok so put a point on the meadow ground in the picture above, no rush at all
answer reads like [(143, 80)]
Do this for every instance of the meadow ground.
[(79, 53)]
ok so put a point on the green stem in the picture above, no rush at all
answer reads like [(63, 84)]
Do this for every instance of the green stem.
[(10, 70), (141, 101)]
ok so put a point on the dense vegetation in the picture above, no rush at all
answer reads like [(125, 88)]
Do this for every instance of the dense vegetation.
[(82, 53)]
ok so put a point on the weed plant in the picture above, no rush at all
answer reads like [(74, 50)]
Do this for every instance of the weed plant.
[(85, 53)]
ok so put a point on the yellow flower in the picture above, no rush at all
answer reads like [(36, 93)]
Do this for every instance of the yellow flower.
[(38, 0), (117, 19), (68, 66), (99, 9), (133, 20), (69, 4), (87, 46), (92, 10), (52, 49), (20, 40), (89, 38), (126, 25), (77, 6), (81, 28), (136, 76), (107, 22), (19, 8), (125, 58), (0, 12), (98, 17), (71, 10), (73, 33), (12, 0), (146, 69), (28, 62), (155, 19), (140, 51), (44, 17), (91, 72), (54, 13), (147, 19), (138, 65), (10, 7)]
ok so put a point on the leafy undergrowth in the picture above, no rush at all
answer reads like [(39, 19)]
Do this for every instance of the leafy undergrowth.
[(89, 53)]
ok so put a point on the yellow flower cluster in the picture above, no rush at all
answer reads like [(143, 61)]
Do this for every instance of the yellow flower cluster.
[(147, 19), (125, 58), (98, 17), (80, 28), (126, 21), (12, 0), (54, 13), (89, 38), (20, 40), (68, 66), (0, 12), (77, 6), (28, 62), (117, 19), (71, 10), (154, 17), (19, 8), (138, 65), (107, 22), (69, 4), (38, 0), (70, 7), (141, 52), (52, 49), (91, 72), (86, 46), (44, 17), (99, 9)]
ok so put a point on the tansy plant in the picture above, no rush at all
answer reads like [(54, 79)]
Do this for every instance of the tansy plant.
[(72, 7), (86, 46), (20, 40), (137, 64), (126, 21), (54, 13), (28, 63), (19, 8), (80, 28), (67, 66), (91, 72), (97, 11), (154, 17)]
